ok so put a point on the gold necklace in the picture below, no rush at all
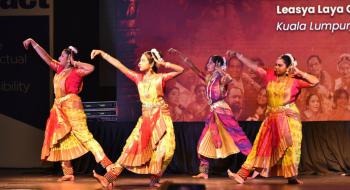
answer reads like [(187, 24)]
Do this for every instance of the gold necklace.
[(147, 87), (282, 78)]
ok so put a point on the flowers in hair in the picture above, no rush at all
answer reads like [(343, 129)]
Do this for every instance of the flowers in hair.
[(73, 49), (156, 55)]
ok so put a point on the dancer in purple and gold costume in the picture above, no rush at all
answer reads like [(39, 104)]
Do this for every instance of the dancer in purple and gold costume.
[(221, 136)]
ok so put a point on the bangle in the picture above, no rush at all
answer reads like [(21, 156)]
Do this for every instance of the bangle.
[(35, 46), (105, 54), (166, 64), (304, 75), (186, 59), (239, 56)]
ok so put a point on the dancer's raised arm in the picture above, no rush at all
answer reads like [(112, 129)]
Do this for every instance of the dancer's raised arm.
[(115, 62), (41, 52), (82, 68), (311, 79), (177, 69), (188, 62), (249, 63)]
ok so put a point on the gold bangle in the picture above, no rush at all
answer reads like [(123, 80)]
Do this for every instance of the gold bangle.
[(166, 64), (105, 54), (304, 74), (186, 59)]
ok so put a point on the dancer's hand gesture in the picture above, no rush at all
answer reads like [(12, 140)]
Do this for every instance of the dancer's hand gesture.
[(27, 42), (96, 52), (173, 51)]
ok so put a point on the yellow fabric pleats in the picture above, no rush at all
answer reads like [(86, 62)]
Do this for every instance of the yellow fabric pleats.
[(161, 153), (207, 148), (69, 138), (287, 164)]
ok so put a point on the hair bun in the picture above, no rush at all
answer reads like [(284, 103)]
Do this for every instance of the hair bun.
[(73, 49), (156, 54), (294, 62)]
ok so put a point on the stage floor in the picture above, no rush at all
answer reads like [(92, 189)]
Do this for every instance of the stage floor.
[(40, 181)]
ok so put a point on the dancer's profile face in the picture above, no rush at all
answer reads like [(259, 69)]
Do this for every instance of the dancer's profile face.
[(280, 67), (63, 58), (144, 64), (210, 66)]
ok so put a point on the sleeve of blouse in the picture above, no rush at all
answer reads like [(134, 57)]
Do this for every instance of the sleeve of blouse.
[(303, 84), (55, 66), (134, 76), (168, 76), (270, 75)]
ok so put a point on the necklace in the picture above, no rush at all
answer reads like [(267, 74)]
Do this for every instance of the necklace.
[(282, 78), (147, 82)]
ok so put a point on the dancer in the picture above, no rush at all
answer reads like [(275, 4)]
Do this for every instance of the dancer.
[(151, 145), (276, 149), (66, 135), (221, 136)]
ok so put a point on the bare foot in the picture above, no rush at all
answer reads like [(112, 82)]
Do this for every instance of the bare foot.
[(255, 173), (66, 178), (103, 181), (110, 186), (294, 181), (201, 175), (154, 184), (235, 177)]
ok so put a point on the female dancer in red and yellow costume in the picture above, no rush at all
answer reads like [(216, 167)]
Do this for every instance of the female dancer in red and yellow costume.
[(276, 149), (150, 147), (67, 136)]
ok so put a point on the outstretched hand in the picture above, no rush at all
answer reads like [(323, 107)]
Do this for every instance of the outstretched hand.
[(27, 42), (231, 53), (95, 52), (173, 51)]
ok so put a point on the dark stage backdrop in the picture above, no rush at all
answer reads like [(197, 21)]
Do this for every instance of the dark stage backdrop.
[(262, 30), (24, 81), (78, 23), (24, 78)]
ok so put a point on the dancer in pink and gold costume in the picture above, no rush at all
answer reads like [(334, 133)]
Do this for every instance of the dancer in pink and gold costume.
[(221, 136)]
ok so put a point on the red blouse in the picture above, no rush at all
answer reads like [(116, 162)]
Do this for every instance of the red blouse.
[(73, 81), (294, 90)]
